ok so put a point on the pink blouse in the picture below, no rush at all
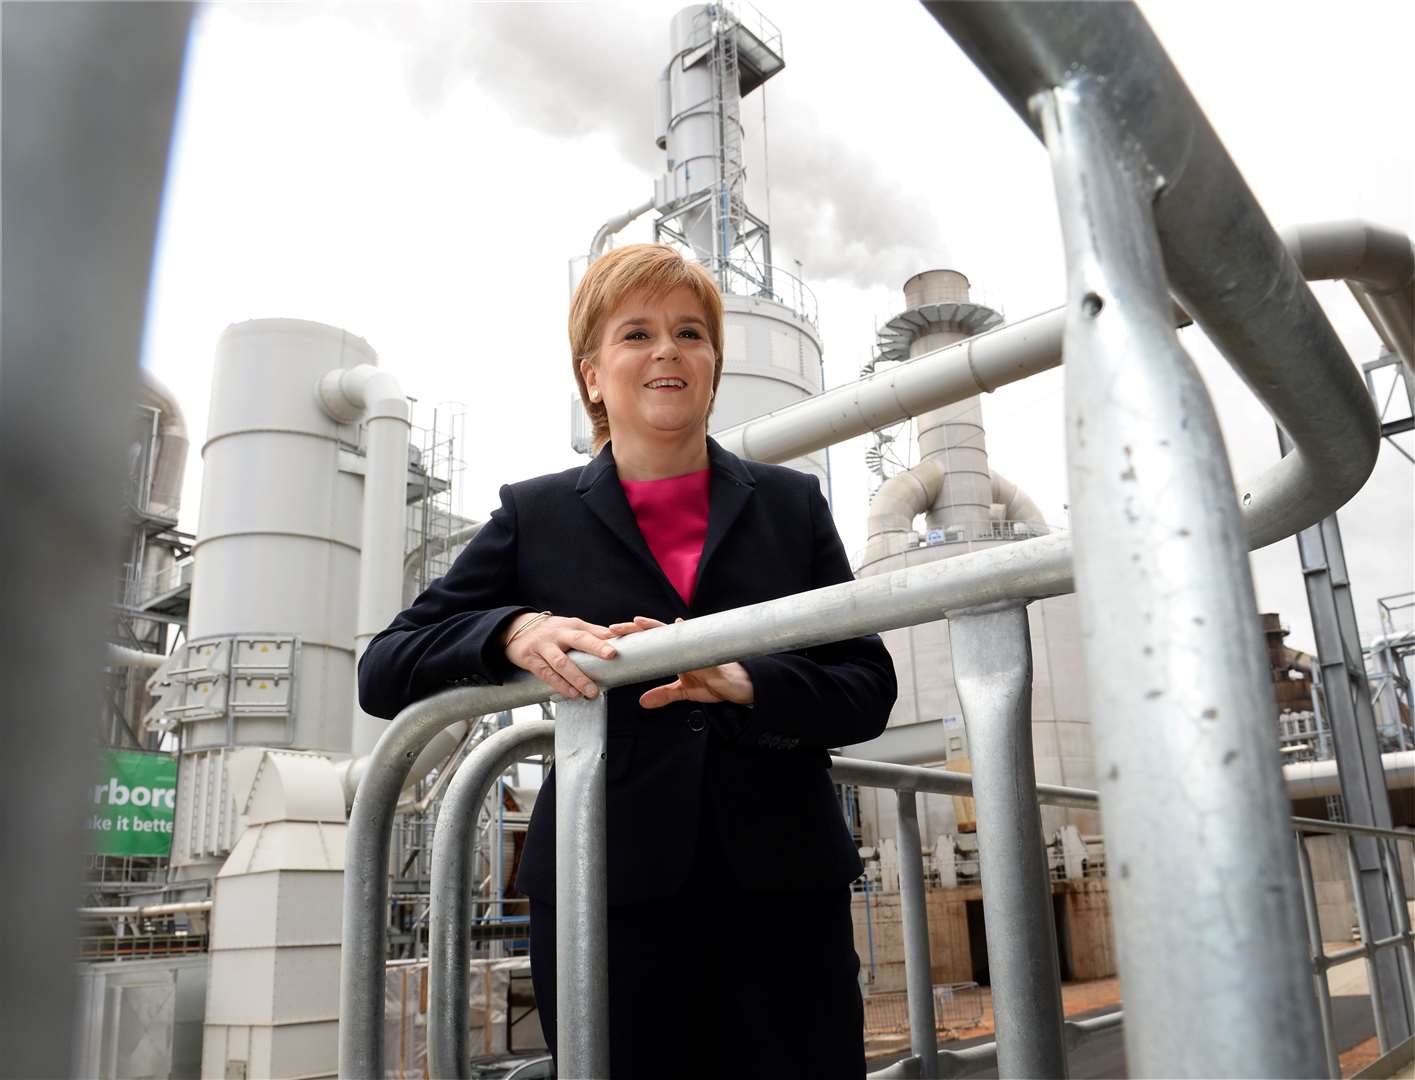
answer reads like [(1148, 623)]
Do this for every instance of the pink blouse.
[(673, 516)]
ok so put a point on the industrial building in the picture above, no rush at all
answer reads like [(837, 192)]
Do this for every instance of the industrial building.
[(212, 943)]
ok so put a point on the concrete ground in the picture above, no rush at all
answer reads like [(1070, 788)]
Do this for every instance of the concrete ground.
[(1104, 1055)]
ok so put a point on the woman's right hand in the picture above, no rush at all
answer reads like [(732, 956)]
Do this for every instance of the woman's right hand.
[(541, 650)]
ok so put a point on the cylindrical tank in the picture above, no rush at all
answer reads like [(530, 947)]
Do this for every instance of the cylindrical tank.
[(939, 312), (276, 557), (955, 431), (771, 359), (278, 542)]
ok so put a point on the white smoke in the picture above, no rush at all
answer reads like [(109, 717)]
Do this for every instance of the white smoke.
[(573, 69)]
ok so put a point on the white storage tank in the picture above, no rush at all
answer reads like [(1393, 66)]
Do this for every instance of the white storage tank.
[(771, 359), (270, 654)]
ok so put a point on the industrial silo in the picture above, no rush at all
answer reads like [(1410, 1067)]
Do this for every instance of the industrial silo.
[(965, 506), (771, 346)]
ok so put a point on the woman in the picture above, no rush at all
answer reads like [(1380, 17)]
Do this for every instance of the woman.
[(730, 942)]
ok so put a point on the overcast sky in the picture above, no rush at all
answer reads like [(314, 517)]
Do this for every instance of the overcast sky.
[(420, 175)]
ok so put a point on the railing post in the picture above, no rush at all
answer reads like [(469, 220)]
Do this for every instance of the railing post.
[(1203, 881), (1319, 968), (1363, 923), (992, 669), (918, 967), (581, 891), (1398, 903), (453, 849)]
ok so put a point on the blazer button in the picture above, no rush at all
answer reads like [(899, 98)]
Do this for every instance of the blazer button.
[(696, 720)]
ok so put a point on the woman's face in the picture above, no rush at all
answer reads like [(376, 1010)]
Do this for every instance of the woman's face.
[(655, 365)]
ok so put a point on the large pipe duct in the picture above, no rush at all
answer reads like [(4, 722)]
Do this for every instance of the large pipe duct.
[(1020, 349), (170, 464), (348, 394), (613, 225), (1318, 779), (902, 498), (1378, 266)]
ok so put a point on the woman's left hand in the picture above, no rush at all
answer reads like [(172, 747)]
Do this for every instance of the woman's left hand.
[(721, 682)]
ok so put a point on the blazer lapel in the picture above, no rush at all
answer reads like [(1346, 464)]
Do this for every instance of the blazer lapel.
[(730, 489), (599, 489)]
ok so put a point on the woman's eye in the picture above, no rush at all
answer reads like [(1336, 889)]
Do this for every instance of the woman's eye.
[(635, 335), (690, 333)]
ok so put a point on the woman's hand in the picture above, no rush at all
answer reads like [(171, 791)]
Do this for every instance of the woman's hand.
[(722, 682), (541, 650)]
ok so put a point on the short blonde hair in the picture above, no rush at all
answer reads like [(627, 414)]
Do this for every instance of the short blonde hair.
[(655, 268)]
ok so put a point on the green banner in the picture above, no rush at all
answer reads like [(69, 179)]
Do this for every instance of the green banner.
[(133, 804)]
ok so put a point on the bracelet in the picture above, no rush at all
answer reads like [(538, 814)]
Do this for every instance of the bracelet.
[(528, 622)]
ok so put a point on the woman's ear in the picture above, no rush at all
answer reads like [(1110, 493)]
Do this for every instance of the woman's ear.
[(587, 372)]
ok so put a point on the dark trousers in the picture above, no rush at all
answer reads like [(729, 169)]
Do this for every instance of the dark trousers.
[(715, 982)]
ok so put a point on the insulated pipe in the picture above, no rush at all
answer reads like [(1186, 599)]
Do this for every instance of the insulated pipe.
[(1377, 264), (902, 498), (1280, 501), (122, 655), (613, 225), (1016, 504), (438, 545), (1316, 779), (148, 911), (169, 467), (348, 394)]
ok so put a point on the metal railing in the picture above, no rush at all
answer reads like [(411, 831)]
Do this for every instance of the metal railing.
[(1150, 204), (1403, 939)]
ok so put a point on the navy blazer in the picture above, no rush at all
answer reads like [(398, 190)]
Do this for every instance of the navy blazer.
[(569, 543)]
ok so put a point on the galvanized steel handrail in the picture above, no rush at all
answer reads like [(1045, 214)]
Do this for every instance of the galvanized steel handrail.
[(1101, 70), (1403, 939), (449, 949)]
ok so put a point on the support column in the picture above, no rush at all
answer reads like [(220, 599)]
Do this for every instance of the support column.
[(992, 669), (1347, 698)]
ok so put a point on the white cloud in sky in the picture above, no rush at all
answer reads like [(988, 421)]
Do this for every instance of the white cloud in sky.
[(420, 174)]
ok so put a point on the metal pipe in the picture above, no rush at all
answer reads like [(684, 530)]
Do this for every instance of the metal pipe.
[(169, 469), (581, 891), (1373, 980), (613, 225), (844, 770), (1175, 662), (122, 655), (1319, 825), (348, 394), (148, 911), (1224, 262), (1377, 264), (1314, 779), (1319, 966), (992, 670), (918, 967), (453, 851)]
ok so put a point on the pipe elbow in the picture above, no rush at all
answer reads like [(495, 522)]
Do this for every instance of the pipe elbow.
[(361, 392)]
